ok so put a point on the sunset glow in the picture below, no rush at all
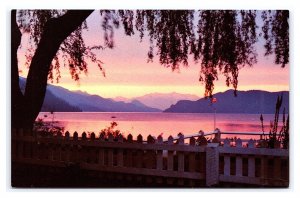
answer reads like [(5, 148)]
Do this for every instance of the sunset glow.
[(129, 75)]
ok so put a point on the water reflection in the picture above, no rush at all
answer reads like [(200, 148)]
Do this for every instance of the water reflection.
[(157, 123)]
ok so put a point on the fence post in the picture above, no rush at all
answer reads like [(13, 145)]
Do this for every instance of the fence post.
[(92, 151), (110, 153), (129, 157), (59, 148), (192, 156), (83, 149), (226, 158), (277, 168), (170, 161), (159, 157), (239, 160), (251, 160), (212, 164), (263, 169), (67, 147), (120, 157), (75, 148), (138, 162), (150, 155), (181, 155), (101, 151)]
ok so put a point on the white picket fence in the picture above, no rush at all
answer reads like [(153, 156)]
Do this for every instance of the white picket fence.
[(173, 161)]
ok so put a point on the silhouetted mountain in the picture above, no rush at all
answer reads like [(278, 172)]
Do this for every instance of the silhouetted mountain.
[(83, 101), (160, 100), (96, 103), (51, 102), (253, 101)]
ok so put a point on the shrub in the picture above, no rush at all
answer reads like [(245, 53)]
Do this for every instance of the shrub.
[(275, 135)]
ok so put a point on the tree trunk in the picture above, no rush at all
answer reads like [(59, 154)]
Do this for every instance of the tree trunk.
[(17, 98), (26, 108)]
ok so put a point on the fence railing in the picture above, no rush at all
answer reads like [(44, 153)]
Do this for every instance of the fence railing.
[(174, 161)]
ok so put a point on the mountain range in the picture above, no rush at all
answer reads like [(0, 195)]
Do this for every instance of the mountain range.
[(60, 99), (63, 100), (253, 101), (160, 100)]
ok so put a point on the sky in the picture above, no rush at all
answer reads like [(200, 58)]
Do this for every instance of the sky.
[(129, 75)]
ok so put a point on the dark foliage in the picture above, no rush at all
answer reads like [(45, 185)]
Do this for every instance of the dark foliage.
[(276, 34), (275, 135), (105, 133), (72, 50)]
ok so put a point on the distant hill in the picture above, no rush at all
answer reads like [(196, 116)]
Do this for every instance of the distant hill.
[(61, 99), (95, 103), (160, 100), (51, 102), (254, 101)]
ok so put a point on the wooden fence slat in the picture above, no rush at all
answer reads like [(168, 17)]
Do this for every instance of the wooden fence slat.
[(101, 157), (226, 165), (120, 158), (129, 158), (139, 159), (110, 157), (180, 161), (212, 164), (192, 162), (170, 155), (159, 156), (238, 160), (251, 166), (239, 166), (120, 155), (263, 167), (170, 160), (159, 160), (110, 152), (277, 168), (181, 155)]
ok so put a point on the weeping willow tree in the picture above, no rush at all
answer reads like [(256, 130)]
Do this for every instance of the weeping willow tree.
[(220, 42)]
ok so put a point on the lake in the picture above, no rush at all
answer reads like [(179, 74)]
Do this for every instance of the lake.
[(157, 123)]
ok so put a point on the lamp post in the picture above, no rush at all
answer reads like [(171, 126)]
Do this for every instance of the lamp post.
[(215, 110)]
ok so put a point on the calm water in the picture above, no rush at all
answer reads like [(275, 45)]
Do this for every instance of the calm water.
[(157, 123)]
